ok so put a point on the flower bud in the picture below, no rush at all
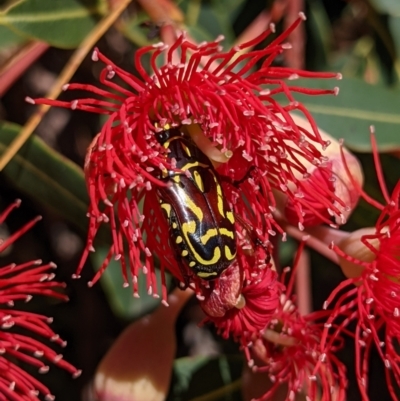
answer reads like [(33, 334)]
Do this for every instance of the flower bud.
[(138, 366), (355, 249)]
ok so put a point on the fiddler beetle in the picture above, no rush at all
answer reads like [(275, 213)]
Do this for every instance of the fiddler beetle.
[(201, 223)]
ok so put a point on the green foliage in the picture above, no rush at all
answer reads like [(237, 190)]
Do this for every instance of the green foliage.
[(223, 379), (46, 176), (350, 114), (60, 23), (121, 299)]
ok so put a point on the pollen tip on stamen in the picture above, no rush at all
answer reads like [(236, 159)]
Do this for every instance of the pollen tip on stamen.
[(49, 397), (90, 284), (44, 369), (37, 262), (28, 99), (95, 55), (158, 45), (372, 129), (65, 87), (286, 46), (272, 27), (75, 276), (339, 76), (302, 16), (76, 374), (336, 90), (165, 303)]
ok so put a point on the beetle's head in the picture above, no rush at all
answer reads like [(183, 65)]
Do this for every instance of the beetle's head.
[(166, 135)]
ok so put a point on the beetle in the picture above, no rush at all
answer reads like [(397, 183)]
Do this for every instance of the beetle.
[(201, 223)]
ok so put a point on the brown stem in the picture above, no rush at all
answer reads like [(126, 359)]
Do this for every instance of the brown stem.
[(295, 58)]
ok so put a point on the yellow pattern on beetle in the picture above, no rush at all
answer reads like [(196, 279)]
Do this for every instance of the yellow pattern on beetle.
[(220, 196), (230, 216), (198, 180), (190, 228), (167, 208), (186, 149), (192, 206), (187, 166), (228, 254), (205, 274), (212, 232)]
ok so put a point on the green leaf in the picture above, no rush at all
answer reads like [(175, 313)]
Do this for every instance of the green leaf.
[(222, 378), (350, 114), (9, 38), (207, 20), (61, 23), (319, 34), (391, 7), (394, 26), (121, 299), (46, 176)]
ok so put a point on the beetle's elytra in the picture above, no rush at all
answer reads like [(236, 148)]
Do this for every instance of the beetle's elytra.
[(201, 223)]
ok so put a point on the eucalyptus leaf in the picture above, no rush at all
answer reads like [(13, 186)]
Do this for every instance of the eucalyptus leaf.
[(61, 23), (394, 26), (121, 299), (223, 375), (391, 7), (9, 38), (350, 114), (46, 176)]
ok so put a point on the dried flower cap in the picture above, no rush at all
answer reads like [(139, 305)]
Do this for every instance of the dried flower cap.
[(20, 283), (253, 309), (227, 109)]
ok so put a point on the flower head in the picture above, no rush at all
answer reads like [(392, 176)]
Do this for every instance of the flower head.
[(21, 346), (226, 108), (370, 257), (288, 351)]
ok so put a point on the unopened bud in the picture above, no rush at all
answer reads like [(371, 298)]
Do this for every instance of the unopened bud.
[(138, 366), (355, 248)]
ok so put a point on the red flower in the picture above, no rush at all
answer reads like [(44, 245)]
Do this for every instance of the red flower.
[(229, 112), (288, 350), (370, 297), (20, 282)]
